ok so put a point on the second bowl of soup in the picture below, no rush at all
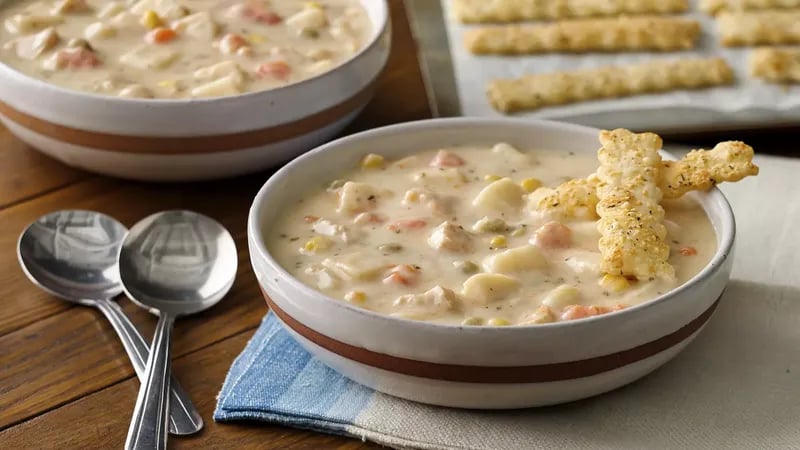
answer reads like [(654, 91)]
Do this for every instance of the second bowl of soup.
[(178, 90)]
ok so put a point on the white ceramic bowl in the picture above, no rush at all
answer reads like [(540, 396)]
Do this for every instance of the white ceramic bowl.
[(193, 139), (478, 367)]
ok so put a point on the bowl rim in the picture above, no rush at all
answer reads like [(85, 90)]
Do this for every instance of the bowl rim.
[(53, 89), (726, 233)]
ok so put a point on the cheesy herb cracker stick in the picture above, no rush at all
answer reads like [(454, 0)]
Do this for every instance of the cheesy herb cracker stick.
[(539, 90), (776, 65), (699, 170), (770, 27), (632, 232), (486, 11), (578, 36)]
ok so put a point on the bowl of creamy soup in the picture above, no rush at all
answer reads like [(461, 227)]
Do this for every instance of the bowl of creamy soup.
[(496, 263), (179, 89)]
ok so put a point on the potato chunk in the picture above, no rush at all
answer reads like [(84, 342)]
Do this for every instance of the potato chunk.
[(27, 23), (436, 302), (562, 296), (110, 10), (69, 7), (167, 9), (135, 91), (99, 30), (485, 288), (220, 70), (229, 85), (452, 237), (500, 195), (519, 259), (510, 155), (354, 267), (198, 25), (449, 176), (310, 19), (148, 57)]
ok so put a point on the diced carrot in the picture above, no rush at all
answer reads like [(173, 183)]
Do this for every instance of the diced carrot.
[(310, 219), (274, 69), (688, 251), (402, 274), (553, 235), (76, 58), (573, 312), (446, 158), (231, 42), (368, 218), (161, 35), (259, 12), (407, 224)]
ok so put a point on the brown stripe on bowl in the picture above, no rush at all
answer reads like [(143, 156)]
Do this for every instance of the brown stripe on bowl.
[(495, 375), (192, 144)]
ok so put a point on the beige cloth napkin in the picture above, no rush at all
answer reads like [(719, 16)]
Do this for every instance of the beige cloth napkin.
[(737, 386)]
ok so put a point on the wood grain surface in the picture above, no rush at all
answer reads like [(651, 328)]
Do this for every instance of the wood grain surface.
[(65, 380)]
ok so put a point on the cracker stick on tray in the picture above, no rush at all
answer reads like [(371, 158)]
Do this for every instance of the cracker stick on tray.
[(776, 65), (536, 91), (770, 27), (577, 36), (632, 232), (717, 6), (699, 170), (495, 11)]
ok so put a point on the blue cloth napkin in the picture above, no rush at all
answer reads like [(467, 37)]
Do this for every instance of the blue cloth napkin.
[(275, 380)]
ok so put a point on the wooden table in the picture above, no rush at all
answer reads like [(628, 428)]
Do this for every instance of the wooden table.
[(65, 380)]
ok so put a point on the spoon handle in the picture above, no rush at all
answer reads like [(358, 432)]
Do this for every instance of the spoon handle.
[(183, 416), (148, 430)]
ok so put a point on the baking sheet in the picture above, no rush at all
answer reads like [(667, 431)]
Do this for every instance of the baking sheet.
[(747, 104)]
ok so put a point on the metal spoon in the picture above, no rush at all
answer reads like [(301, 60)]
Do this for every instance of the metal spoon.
[(172, 263), (73, 255)]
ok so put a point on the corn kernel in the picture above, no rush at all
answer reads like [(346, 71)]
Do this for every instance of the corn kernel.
[(411, 196), (315, 5), (472, 321), (492, 177), (150, 19), (530, 184), (256, 38), (498, 322), (355, 297), (167, 84), (373, 161), (615, 283), (316, 244), (498, 242)]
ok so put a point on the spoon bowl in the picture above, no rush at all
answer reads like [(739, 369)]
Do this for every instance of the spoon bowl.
[(172, 263), (72, 255), (178, 262)]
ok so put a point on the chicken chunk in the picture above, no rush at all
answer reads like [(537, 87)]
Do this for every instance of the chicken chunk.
[(433, 303), (452, 237), (31, 47), (357, 197)]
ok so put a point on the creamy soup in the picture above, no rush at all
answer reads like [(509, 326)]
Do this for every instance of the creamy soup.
[(450, 236), (179, 48)]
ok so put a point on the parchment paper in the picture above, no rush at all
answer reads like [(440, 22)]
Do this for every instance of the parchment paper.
[(748, 103)]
